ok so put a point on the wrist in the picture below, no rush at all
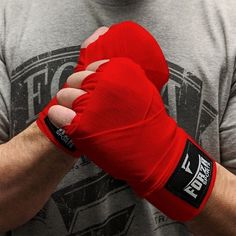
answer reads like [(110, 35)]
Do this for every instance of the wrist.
[(189, 186), (46, 149), (31, 168), (219, 210)]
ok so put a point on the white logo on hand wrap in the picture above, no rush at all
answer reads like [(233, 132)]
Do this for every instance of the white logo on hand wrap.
[(66, 139), (186, 165), (199, 179)]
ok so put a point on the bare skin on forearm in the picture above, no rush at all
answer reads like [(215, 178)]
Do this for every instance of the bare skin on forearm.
[(219, 215), (31, 167)]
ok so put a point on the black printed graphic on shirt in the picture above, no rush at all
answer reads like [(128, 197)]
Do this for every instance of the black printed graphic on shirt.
[(37, 80), (75, 200)]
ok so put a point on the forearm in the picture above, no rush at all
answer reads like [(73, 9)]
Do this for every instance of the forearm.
[(30, 169), (219, 214)]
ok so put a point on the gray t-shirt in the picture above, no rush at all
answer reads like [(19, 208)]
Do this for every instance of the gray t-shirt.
[(39, 46)]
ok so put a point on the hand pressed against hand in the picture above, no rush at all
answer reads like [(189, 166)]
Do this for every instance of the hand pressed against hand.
[(120, 40)]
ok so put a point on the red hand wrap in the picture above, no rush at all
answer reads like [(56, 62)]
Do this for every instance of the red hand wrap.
[(122, 125)]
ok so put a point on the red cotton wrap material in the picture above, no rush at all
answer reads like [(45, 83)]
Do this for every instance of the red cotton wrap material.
[(121, 124)]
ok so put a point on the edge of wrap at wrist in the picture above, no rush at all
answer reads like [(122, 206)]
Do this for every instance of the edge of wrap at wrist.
[(56, 135), (190, 185)]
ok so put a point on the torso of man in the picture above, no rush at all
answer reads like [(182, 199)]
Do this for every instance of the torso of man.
[(39, 46)]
